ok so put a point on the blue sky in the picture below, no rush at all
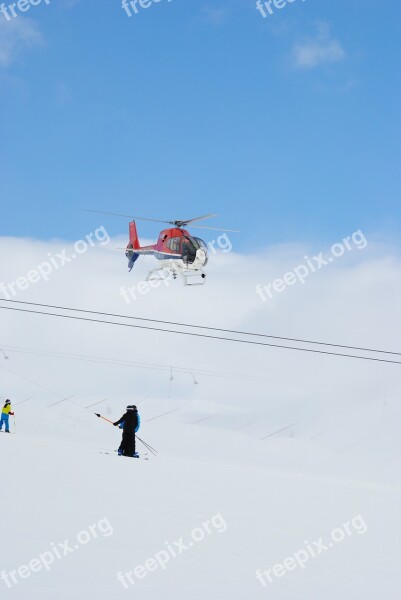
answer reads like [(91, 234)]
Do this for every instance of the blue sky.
[(288, 127)]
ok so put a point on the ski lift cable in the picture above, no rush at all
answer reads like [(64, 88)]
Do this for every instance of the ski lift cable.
[(217, 329), (205, 336), (127, 363), (31, 381)]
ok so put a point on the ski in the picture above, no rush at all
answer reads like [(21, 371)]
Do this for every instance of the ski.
[(114, 453)]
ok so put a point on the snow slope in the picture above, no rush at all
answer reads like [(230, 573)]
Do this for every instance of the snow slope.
[(263, 500)]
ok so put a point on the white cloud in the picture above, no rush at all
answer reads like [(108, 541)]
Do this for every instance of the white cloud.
[(321, 50), (15, 36), (352, 301)]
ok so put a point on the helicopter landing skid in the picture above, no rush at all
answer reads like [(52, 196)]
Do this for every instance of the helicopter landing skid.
[(152, 275), (190, 276)]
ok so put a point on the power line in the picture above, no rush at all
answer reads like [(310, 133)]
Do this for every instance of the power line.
[(204, 336), (218, 329)]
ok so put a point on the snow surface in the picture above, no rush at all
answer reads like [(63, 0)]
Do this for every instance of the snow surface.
[(272, 496)]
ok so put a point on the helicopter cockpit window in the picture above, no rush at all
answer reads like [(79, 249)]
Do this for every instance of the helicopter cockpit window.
[(190, 246), (174, 244), (201, 244), (193, 242)]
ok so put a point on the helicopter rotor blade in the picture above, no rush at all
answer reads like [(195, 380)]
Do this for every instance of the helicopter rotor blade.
[(178, 224), (216, 229), (197, 219), (100, 212)]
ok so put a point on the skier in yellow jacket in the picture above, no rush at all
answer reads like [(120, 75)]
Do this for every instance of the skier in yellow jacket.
[(5, 416)]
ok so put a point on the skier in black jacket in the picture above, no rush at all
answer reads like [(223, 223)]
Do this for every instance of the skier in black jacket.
[(129, 423)]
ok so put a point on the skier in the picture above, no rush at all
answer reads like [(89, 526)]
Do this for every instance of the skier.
[(129, 423), (5, 416)]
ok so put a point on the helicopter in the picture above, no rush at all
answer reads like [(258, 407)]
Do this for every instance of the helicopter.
[(178, 252)]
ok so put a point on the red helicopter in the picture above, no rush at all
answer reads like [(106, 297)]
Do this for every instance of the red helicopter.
[(178, 252)]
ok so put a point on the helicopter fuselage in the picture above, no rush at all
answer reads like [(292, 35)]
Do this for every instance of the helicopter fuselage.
[(175, 247)]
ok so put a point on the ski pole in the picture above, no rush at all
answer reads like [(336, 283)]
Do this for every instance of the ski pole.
[(148, 446), (154, 452), (145, 443), (15, 425)]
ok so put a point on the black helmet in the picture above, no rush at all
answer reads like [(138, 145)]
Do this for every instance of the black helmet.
[(131, 407), (8, 401)]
